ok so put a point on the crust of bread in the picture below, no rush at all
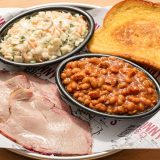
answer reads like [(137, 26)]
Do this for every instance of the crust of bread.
[(144, 2), (135, 36)]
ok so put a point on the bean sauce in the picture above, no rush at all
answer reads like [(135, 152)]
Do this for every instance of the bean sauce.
[(109, 85)]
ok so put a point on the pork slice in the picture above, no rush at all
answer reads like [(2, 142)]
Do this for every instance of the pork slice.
[(36, 124), (10, 77), (5, 90), (4, 107), (41, 87), (50, 91), (5, 75), (19, 81)]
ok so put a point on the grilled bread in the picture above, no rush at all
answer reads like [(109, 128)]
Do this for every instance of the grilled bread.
[(131, 29)]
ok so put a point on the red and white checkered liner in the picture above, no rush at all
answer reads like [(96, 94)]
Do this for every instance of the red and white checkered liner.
[(2, 21)]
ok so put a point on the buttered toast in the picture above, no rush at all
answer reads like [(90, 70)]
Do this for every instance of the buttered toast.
[(131, 29)]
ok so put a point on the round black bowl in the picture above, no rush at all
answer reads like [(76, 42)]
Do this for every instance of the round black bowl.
[(71, 101), (88, 18)]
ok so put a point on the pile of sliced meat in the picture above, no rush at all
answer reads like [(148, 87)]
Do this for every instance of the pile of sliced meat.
[(33, 115)]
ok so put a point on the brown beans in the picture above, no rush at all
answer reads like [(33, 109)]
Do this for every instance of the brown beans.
[(84, 91), (103, 99), (113, 100), (75, 70), (100, 107), (94, 102), (103, 71), (121, 99), (112, 58), (132, 112), (133, 89), (109, 85), (87, 101), (148, 102), (130, 106), (81, 64), (122, 85), (93, 82), (91, 105), (73, 64), (94, 61), (69, 65), (130, 72), (141, 107), (63, 75), (66, 81), (69, 89), (120, 109), (150, 90), (104, 92), (86, 79), (94, 94), (108, 88), (73, 85), (76, 95), (128, 79), (114, 69), (88, 71), (134, 99), (104, 64), (101, 81), (145, 101), (81, 99), (79, 76), (124, 91), (68, 72), (85, 86), (110, 109), (81, 94)]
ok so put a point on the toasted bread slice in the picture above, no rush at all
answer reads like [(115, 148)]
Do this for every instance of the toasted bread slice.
[(131, 29)]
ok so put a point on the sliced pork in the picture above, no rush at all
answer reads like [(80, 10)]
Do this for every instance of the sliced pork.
[(36, 124), (5, 75), (19, 81), (33, 114), (41, 87), (50, 91), (4, 107), (6, 87)]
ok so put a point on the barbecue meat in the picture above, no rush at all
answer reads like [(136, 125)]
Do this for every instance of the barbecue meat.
[(36, 124)]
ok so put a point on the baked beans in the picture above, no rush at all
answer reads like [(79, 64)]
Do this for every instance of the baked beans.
[(109, 85)]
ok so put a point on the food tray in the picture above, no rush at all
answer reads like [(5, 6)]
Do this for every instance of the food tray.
[(109, 135), (22, 151)]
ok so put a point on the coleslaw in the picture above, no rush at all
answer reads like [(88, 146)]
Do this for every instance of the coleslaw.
[(44, 36)]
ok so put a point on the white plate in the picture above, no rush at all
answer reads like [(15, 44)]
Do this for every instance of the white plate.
[(39, 156)]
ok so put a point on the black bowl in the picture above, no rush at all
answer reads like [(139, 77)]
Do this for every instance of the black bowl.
[(71, 101), (31, 12)]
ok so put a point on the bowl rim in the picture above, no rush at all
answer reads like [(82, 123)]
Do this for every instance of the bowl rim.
[(70, 98), (13, 20)]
